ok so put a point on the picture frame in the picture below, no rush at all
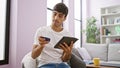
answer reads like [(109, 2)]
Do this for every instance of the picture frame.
[(4, 31)]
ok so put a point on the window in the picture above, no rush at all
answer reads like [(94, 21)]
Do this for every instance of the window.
[(78, 21), (4, 30), (50, 5)]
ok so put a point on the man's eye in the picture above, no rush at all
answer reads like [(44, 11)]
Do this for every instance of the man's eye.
[(60, 15), (54, 13)]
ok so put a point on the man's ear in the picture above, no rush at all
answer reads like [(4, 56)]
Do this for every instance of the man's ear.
[(64, 18)]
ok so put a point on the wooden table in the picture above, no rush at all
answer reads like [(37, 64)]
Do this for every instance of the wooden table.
[(93, 66)]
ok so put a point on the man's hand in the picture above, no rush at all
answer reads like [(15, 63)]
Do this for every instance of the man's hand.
[(67, 50), (37, 49), (42, 41)]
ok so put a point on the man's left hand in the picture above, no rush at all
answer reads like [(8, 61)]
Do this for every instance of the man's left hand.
[(67, 50)]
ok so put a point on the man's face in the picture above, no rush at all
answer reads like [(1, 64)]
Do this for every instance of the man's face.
[(58, 18)]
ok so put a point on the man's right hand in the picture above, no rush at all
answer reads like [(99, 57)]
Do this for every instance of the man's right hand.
[(37, 49), (42, 41)]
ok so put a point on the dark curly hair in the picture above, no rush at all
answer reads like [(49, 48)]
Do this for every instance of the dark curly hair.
[(61, 7)]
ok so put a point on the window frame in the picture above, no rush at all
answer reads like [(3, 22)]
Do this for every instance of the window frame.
[(80, 21), (50, 9), (7, 29)]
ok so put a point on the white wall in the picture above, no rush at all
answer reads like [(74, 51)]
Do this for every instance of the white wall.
[(93, 9), (96, 5)]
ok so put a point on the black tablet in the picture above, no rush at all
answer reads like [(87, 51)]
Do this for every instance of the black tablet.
[(67, 40)]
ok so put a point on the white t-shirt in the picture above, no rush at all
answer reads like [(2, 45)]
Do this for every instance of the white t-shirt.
[(49, 53)]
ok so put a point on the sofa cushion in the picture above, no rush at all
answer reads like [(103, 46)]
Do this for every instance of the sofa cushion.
[(111, 63), (97, 50), (113, 52), (84, 54)]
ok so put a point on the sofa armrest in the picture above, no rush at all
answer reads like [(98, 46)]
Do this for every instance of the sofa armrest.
[(76, 60), (28, 61)]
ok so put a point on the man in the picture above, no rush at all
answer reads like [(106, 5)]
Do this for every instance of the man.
[(44, 50)]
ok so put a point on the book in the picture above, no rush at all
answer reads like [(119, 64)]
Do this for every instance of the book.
[(67, 40)]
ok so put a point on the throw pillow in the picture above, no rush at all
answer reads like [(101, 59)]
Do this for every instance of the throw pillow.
[(84, 54)]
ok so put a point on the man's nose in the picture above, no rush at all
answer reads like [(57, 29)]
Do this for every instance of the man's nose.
[(56, 17)]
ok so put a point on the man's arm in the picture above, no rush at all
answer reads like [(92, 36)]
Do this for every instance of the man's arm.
[(37, 49)]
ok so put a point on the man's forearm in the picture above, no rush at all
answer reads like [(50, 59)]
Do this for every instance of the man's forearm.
[(36, 51)]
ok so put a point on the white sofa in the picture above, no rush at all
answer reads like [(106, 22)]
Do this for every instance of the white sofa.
[(75, 61), (109, 54)]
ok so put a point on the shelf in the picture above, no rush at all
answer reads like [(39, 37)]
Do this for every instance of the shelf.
[(110, 14), (109, 25), (108, 36), (110, 18)]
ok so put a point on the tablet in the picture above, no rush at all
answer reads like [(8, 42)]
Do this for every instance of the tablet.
[(67, 40)]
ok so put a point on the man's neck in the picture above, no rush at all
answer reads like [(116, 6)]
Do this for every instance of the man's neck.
[(57, 29)]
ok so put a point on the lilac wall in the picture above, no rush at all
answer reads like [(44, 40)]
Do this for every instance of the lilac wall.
[(71, 16), (31, 15), (26, 17)]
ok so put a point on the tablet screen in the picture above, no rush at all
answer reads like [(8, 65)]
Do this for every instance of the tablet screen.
[(67, 40)]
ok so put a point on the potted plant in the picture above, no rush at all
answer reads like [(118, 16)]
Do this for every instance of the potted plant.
[(92, 32)]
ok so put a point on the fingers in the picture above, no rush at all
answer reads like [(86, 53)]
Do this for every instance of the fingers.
[(66, 47), (34, 46), (42, 40), (62, 47), (71, 44)]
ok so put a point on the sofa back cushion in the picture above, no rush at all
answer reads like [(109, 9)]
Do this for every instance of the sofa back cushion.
[(97, 50), (84, 53), (113, 52)]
